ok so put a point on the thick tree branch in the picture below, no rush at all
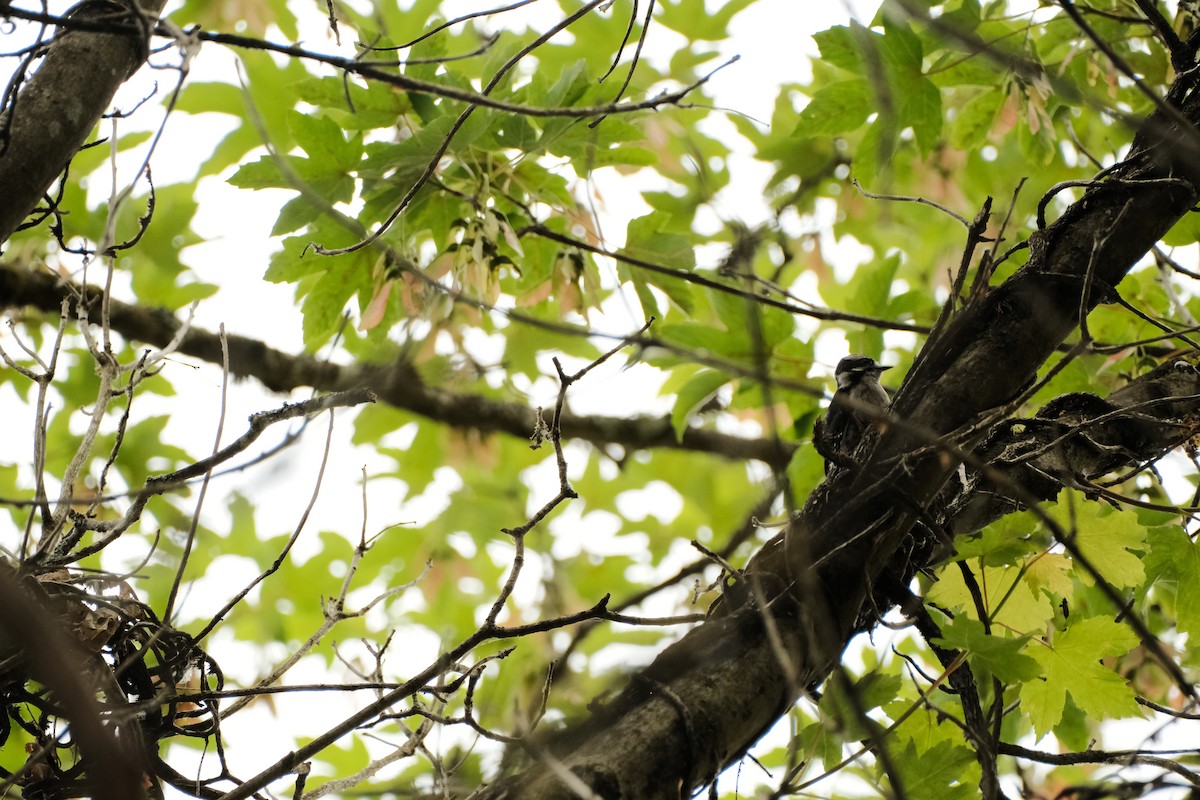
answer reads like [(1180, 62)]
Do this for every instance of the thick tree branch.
[(44, 126), (397, 384), (707, 698), (1073, 440), (732, 661)]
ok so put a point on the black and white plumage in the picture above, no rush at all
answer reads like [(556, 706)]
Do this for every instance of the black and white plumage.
[(839, 432)]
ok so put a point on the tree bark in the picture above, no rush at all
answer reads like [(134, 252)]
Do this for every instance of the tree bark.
[(60, 104), (396, 384), (707, 698)]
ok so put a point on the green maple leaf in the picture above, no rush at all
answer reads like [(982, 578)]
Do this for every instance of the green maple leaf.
[(943, 772), (1173, 557), (1051, 573), (1002, 656), (1105, 537), (1007, 595), (1072, 664)]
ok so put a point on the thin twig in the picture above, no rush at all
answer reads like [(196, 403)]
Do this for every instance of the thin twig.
[(195, 524), (966, 223)]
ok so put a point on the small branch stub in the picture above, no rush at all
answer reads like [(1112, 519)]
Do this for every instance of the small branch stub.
[(541, 431)]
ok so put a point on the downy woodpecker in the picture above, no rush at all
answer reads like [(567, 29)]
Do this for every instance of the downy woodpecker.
[(839, 432)]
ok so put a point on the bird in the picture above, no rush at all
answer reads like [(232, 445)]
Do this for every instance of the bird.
[(838, 433)]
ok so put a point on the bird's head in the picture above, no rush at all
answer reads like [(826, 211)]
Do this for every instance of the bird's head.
[(856, 368)]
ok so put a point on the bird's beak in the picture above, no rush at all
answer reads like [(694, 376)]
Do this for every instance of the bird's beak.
[(882, 368)]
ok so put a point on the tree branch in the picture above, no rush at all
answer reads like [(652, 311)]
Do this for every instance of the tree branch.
[(834, 572), (398, 385), (43, 127)]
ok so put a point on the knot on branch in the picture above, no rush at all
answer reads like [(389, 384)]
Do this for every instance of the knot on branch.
[(1072, 442)]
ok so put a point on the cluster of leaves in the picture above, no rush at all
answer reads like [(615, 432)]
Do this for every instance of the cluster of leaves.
[(1040, 636)]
